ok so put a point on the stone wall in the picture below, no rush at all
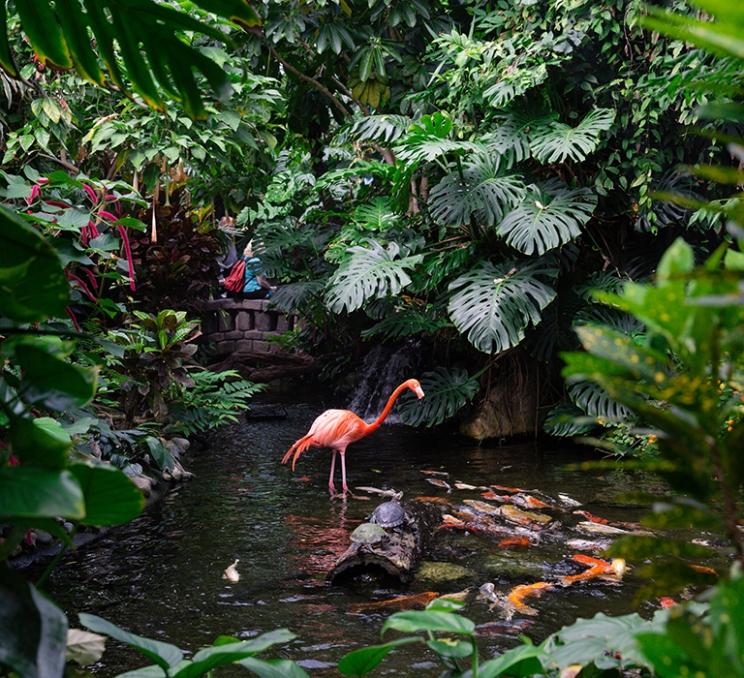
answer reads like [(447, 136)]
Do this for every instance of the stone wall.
[(243, 325)]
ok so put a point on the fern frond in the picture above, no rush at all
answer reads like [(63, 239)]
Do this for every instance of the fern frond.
[(447, 392), (370, 273), (550, 215), (483, 192), (552, 141), (495, 303)]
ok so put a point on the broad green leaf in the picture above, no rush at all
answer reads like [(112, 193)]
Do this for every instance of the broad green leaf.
[(6, 58), (53, 381), (495, 304), (523, 660), (164, 655), (44, 32), (550, 215), (29, 492), (678, 260), (553, 142), (39, 442), (429, 620), (273, 668), (449, 647), (111, 498), (363, 661), (32, 284), (447, 391), (33, 630)]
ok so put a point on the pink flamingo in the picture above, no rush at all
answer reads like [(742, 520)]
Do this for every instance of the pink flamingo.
[(337, 429)]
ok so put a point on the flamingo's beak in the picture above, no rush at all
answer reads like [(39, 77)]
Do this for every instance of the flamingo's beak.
[(419, 392)]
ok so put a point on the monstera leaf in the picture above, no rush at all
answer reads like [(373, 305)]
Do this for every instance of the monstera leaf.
[(428, 139), (141, 45), (447, 391), (370, 273), (550, 216), (384, 127), (377, 215), (495, 303), (565, 420), (594, 401), (554, 142), (483, 192), (509, 139)]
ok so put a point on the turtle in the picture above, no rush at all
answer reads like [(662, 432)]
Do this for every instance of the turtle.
[(368, 533), (389, 514)]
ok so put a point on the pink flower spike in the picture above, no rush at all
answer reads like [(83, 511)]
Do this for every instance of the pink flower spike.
[(106, 215), (94, 232), (35, 193), (85, 235), (75, 322), (42, 181), (82, 285), (128, 251), (91, 193)]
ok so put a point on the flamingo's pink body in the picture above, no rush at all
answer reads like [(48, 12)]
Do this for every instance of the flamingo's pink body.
[(337, 429)]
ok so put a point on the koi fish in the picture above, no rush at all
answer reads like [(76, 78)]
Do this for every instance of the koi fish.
[(492, 496), (586, 545), (515, 515), (515, 542), (486, 529), (431, 472), (503, 628), (397, 603), (231, 573), (568, 501), (592, 518), (519, 593), (464, 486), (667, 602), (598, 568), (377, 490), (598, 528), (439, 483), (529, 502), (510, 490), (702, 569), (482, 507), (432, 500)]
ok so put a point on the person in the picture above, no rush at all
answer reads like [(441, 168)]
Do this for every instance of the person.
[(256, 285)]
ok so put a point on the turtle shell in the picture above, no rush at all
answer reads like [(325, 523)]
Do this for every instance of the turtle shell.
[(389, 514), (367, 533)]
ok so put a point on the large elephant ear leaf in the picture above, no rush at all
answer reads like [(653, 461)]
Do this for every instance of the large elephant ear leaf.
[(494, 304), (371, 272), (447, 391), (550, 215), (552, 141), (482, 192)]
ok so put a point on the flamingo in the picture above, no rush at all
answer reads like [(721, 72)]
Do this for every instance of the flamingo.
[(337, 429)]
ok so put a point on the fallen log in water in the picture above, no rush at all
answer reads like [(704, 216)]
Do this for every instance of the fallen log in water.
[(398, 554)]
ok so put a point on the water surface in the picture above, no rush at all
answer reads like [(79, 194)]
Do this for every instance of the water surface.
[(161, 575)]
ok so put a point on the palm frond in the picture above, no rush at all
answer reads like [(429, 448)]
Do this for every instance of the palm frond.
[(552, 141), (447, 392), (495, 303), (370, 273), (550, 215), (483, 192), (143, 47)]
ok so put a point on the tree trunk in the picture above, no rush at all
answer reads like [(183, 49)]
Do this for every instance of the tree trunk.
[(398, 555)]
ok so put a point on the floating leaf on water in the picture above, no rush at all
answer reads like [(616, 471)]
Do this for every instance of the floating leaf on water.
[(231, 572)]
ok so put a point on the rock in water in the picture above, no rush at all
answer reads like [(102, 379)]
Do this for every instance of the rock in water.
[(231, 573), (442, 572)]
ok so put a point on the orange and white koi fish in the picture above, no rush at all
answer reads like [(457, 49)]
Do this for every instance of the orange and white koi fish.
[(397, 603), (614, 569), (519, 593)]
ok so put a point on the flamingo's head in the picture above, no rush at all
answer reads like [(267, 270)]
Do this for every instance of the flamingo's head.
[(415, 386)]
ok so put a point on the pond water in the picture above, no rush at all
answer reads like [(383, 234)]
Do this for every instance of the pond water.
[(161, 575)]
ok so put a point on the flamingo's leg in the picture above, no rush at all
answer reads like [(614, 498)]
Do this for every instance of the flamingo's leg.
[(344, 486), (331, 486)]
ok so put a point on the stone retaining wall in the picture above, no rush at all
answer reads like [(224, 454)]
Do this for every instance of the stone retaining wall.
[(243, 325)]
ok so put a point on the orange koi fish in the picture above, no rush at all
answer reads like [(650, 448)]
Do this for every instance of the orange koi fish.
[(592, 518), (597, 568), (528, 501), (515, 542), (432, 500), (519, 593), (510, 490), (492, 496), (397, 603)]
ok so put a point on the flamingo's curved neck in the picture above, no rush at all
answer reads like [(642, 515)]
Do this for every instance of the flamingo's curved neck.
[(388, 406)]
